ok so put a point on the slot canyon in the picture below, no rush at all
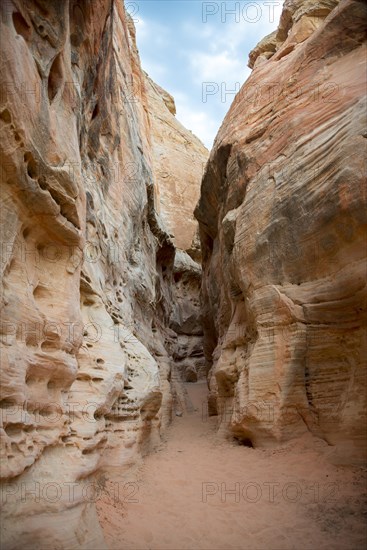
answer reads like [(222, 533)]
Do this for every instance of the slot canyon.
[(183, 331)]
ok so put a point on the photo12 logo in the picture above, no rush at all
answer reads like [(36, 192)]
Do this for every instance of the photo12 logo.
[(69, 491), (238, 12), (132, 9), (269, 491), (256, 95), (225, 91)]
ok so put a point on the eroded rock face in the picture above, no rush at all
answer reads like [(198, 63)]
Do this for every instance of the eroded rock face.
[(186, 320), (87, 267), (179, 159), (299, 19), (282, 218)]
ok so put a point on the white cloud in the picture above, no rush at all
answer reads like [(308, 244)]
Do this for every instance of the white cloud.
[(142, 29), (152, 33), (251, 20), (228, 44), (154, 70), (151, 36), (187, 54), (218, 67), (199, 122)]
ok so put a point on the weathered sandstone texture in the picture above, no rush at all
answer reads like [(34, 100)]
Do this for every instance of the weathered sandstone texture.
[(186, 319), (89, 316), (283, 230), (179, 159), (178, 167)]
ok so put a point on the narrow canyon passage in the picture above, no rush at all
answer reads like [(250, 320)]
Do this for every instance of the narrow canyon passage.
[(199, 492), (147, 280)]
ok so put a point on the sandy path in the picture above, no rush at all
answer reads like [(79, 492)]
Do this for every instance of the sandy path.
[(291, 498)]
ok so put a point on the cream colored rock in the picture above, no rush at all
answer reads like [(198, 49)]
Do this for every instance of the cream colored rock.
[(87, 266), (263, 50), (299, 19), (282, 220), (179, 160), (186, 319)]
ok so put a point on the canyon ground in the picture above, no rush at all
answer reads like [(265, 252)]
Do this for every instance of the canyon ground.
[(198, 491)]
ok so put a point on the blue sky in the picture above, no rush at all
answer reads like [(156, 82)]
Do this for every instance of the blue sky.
[(198, 52)]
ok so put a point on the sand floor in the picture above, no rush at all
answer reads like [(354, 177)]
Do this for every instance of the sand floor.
[(197, 492)]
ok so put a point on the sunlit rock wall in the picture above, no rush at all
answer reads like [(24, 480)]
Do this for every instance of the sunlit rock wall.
[(179, 159), (283, 230), (87, 268)]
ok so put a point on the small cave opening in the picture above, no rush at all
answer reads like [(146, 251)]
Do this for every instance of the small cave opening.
[(51, 344), (32, 169), (95, 111), (177, 276), (5, 116), (26, 232), (244, 442)]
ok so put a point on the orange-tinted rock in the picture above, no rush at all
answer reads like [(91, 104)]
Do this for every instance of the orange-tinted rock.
[(87, 265), (179, 162), (283, 229)]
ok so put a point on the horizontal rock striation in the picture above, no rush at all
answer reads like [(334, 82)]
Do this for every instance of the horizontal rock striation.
[(87, 265), (282, 218)]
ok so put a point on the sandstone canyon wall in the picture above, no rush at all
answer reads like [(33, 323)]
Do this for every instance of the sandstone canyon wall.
[(283, 230), (89, 313), (179, 159)]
